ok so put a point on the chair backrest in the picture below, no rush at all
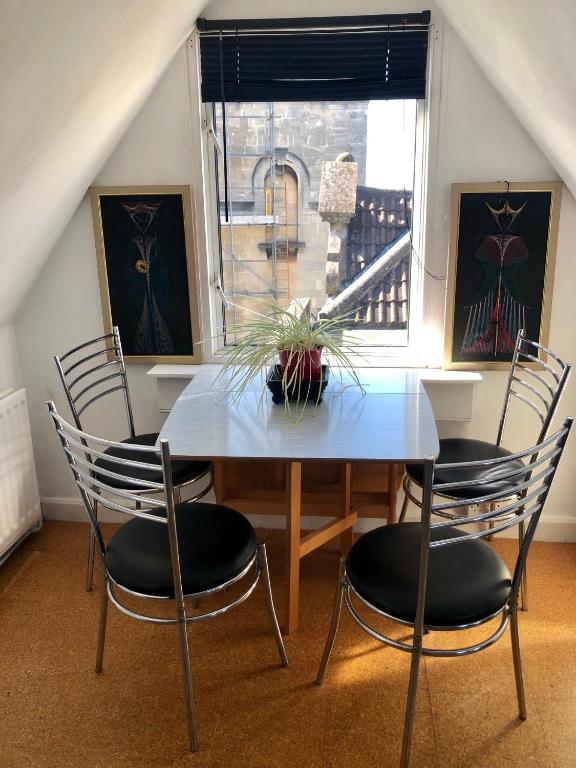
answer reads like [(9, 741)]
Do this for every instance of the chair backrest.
[(537, 378), (83, 450), (91, 371), (523, 480)]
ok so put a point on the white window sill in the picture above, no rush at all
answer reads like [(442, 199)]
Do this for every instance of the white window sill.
[(174, 371), (451, 392)]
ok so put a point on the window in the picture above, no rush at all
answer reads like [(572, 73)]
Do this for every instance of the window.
[(281, 194), (340, 238), (314, 199)]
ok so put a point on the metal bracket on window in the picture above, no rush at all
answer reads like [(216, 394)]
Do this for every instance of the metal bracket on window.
[(211, 134), (220, 291)]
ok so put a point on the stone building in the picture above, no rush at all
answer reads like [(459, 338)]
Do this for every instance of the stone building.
[(274, 241), (368, 267)]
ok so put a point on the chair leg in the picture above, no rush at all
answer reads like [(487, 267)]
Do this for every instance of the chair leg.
[(411, 702), (517, 664), (335, 621), (263, 561), (190, 708), (524, 582), (490, 508), (91, 552), (102, 623), (404, 505)]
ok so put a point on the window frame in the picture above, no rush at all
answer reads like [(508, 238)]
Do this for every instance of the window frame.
[(425, 343)]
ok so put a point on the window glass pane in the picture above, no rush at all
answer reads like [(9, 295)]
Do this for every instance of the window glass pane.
[(319, 209)]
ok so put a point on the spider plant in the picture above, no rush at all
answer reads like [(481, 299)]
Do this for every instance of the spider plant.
[(262, 338)]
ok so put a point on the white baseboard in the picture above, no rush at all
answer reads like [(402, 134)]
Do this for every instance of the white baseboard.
[(72, 510), (559, 528)]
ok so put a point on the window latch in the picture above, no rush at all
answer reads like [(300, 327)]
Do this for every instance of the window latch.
[(211, 134), (220, 291)]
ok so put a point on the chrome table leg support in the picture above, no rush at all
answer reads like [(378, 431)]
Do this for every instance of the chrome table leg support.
[(524, 583), (102, 623), (263, 562), (404, 505), (517, 664), (190, 708), (91, 551), (411, 702), (335, 621)]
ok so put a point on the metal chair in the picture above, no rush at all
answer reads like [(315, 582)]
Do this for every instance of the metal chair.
[(439, 575), (80, 371), (168, 550), (537, 378)]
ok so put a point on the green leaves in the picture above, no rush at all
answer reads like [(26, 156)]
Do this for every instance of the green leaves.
[(262, 338)]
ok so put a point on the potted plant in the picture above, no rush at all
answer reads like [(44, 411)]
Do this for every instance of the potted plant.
[(287, 345)]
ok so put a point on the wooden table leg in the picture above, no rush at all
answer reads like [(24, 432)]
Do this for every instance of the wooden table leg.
[(393, 482), (219, 485), (347, 536), (294, 500)]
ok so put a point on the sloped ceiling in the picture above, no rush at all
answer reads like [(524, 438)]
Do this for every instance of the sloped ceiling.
[(72, 76), (526, 50)]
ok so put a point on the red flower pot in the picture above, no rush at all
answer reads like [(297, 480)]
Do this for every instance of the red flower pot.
[(306, 365)]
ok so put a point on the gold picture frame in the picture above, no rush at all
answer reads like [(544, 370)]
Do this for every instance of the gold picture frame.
[(145, 248), (501, 259)]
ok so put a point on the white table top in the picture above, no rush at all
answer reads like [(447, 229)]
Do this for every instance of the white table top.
[(392, 422)]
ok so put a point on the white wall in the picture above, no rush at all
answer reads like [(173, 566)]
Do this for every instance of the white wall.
[(73, 77), (63, 307), (479, 140), (540, 81), (9, 367)]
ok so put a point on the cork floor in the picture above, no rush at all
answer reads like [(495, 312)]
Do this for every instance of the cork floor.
[(54, 711)]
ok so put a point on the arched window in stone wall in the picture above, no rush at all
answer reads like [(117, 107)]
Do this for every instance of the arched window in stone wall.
[(281, 200), (283, 158)]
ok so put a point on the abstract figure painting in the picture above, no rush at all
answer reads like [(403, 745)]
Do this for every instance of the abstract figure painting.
[(501, 270), (147, 272)]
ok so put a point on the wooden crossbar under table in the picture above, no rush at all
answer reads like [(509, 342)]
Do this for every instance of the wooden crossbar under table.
[(299, 488)]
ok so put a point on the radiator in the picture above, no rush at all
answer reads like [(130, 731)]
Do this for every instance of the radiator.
[(19, 500)]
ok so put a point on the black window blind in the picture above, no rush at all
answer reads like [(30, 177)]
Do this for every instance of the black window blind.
[(342, 58)]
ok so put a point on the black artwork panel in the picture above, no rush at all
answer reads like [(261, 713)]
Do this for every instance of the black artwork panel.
[(502, 251), (145, 251)]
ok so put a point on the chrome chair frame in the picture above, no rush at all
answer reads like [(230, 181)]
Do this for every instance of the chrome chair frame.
[(551, 380), (525, 506), (110, 346), (81, 450)]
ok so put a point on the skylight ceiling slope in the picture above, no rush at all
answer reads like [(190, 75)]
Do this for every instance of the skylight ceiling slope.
[(526, 50), (74, 75)]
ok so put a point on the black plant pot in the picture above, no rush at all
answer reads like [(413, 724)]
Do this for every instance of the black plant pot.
[(303, 391)]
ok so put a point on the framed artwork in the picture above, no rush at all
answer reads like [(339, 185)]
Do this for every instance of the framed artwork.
[(145, 250), (500, 270)]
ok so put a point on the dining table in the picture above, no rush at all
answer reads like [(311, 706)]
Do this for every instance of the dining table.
[(388, 420)]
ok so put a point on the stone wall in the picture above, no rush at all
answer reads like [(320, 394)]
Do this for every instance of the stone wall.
[(303, 136)]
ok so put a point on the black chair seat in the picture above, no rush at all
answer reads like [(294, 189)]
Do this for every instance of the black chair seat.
[(216, 543), (457, 449), (182, 471), (467, 582)]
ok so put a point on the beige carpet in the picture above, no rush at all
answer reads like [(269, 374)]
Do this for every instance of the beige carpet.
[(54, 711)]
